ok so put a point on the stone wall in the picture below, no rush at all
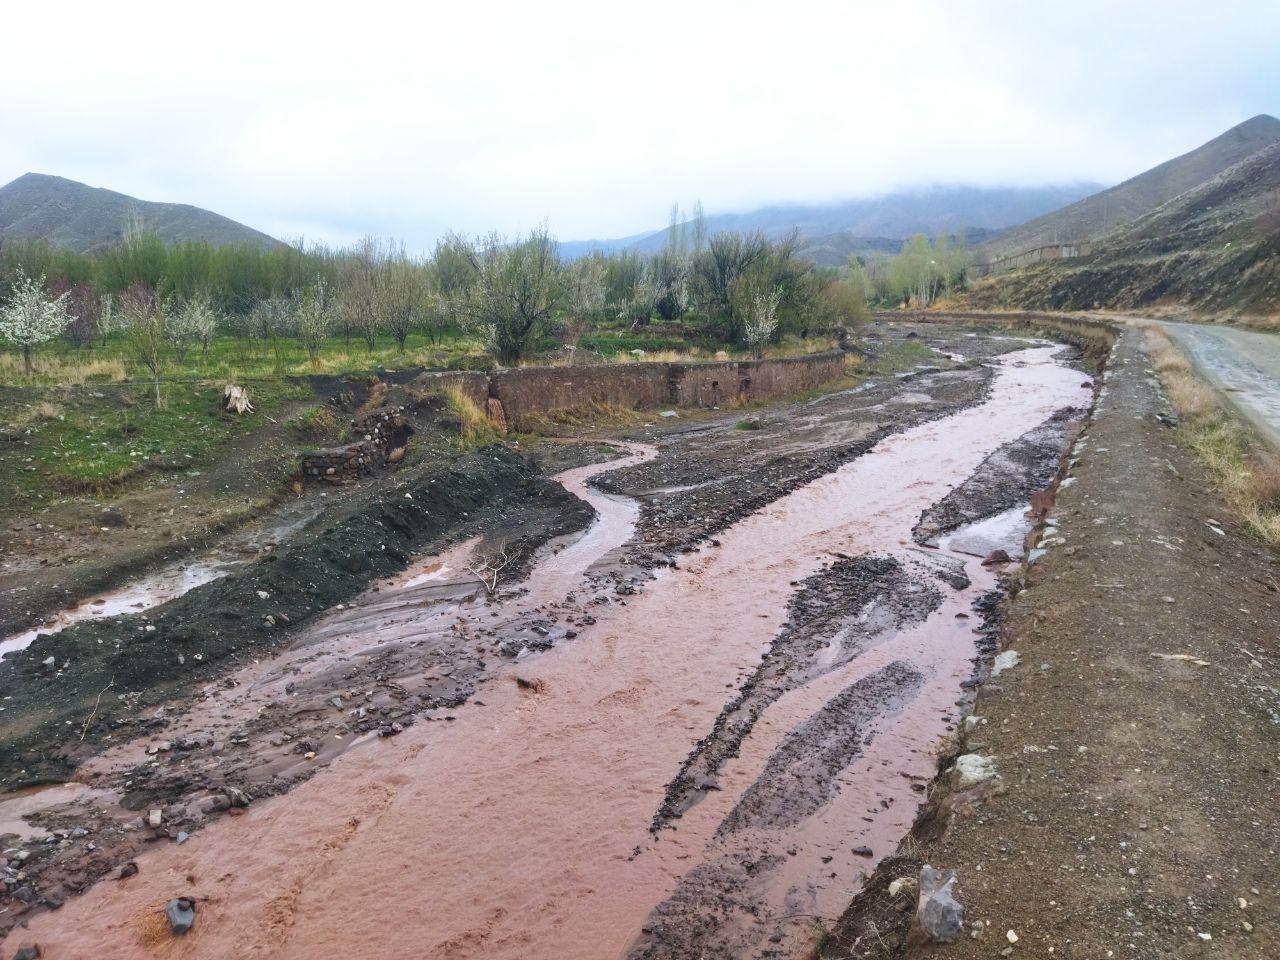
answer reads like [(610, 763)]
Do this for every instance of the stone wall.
[(378, 436)]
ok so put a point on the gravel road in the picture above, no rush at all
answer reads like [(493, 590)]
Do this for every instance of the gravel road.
[(1243, 364)]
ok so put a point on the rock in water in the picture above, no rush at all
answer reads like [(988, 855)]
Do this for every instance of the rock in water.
[(181, 913), (28, 951), (938, 913)]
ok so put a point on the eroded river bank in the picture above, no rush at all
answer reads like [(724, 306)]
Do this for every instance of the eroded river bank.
[(686, 732)]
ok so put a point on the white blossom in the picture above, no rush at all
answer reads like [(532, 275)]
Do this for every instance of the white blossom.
[(31, 316)]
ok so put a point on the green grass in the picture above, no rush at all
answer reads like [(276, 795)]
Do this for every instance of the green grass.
[(624, 342), (231, 358), (93, 439)]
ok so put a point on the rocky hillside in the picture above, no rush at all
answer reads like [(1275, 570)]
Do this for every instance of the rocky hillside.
[(1215, 247), (83, 218), (1098, 215)]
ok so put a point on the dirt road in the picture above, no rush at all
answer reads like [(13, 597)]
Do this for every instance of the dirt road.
[(1243, 364)]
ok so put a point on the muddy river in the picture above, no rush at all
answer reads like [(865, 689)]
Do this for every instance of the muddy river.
[(524, 827)]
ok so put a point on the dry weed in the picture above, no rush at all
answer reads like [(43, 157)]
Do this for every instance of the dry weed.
[(1234, 457)]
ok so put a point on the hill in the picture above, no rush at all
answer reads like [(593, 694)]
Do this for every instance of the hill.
[(1214, 247), (1097, 215), (84, 218), (875, 224)]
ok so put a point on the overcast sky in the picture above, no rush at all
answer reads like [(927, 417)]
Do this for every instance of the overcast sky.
[(331, 123)]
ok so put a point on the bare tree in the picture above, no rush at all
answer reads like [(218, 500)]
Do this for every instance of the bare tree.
[(361, 307), (404, 294), (488, 568), (314, 318), (144, 326), (514, 292), (585, 291), (190, 322)]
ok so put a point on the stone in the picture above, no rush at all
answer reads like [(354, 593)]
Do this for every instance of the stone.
[(155, 818), (938, 913), (901, 885), (972, 769), (1005, 661), (864, 851), (995, 557), (128, 870), (28, 951), (181, 913)]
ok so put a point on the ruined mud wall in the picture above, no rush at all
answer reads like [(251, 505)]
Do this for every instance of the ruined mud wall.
[(534, 390)]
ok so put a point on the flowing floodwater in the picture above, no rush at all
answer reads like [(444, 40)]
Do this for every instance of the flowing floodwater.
[(521, 829)]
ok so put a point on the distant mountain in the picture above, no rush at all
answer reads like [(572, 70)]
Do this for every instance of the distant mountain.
[(832, 231), (1215, 247), (84, 218), (1097, 215)]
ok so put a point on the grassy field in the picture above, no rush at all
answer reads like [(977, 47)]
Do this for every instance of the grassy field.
[(94, 438), (231, 358), (86, 423)]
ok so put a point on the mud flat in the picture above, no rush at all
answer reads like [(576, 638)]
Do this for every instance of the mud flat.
[(607, 761)]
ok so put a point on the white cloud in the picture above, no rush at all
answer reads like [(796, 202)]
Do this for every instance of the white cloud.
[(410, 120)]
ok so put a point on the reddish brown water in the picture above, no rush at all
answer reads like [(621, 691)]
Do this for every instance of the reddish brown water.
[(513, 832)]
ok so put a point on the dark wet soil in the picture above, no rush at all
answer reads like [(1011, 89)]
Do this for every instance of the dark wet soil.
[(72, 690), (832, 615), (1009, 477)]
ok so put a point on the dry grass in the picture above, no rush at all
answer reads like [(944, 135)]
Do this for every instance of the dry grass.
[(64, 370), (1239, 465), (476, 429), (586, 415)]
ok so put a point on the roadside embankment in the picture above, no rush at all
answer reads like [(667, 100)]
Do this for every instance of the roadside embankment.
[(1116, 792)]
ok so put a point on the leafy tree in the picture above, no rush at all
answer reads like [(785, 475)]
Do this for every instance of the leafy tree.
[(716, 270), (31, 316)]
